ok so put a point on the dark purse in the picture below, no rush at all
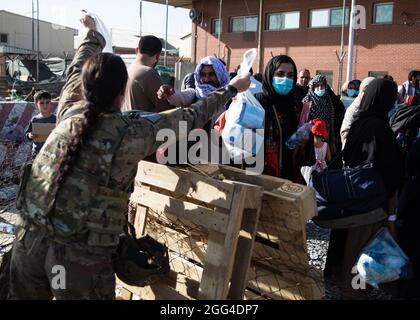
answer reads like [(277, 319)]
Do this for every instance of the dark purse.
[(349, 197), (140, 261)]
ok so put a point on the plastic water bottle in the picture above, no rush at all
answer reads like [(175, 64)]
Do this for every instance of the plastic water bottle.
[(300, 135)]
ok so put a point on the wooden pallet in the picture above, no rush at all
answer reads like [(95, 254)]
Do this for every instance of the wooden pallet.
[(280, 262), (208, 225)]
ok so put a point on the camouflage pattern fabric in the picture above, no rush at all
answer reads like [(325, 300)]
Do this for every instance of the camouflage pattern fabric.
[(32, 276)]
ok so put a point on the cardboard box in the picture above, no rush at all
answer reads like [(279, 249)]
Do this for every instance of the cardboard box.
[(42, 131)]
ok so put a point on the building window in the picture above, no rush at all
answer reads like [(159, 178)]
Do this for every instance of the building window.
[(283, 21), (336, 17), (328, 74), (3, 38), (333, 17), (377, 74), (383, 12), (216, 26), (244, 24)]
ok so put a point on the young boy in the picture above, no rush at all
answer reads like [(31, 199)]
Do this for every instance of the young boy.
[(42, 100)]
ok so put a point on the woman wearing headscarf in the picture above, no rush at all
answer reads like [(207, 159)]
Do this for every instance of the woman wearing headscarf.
[(281, 117), (353, 110), (370, 139), (321, 106)]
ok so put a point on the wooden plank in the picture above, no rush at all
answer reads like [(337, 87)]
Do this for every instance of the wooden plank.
[(141, 217), (221, 252), (126, 294), (179, 242), (182, 225), (167, 205), (269, 183), (214, 192), (274, 287), (305, 196), (246, 241)]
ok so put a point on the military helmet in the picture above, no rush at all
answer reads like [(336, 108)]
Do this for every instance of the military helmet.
[(141, 261)]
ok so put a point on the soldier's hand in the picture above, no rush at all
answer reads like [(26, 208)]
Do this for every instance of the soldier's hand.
[(242, 82), (88, 21), (165, 92)]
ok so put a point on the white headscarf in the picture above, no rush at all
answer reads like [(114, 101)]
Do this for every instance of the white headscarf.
[(352, 110)]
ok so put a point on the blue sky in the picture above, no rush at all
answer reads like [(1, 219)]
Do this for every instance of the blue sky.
[(122, 14)]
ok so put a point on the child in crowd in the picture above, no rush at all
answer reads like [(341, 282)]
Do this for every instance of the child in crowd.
[(42, 100), (322, 151)]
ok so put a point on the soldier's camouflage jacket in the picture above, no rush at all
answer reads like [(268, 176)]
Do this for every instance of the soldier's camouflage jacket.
[(93, 198)]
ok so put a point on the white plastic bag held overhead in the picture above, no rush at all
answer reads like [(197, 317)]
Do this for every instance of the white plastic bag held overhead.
[(245, 67), (102, 29), (244, 116)]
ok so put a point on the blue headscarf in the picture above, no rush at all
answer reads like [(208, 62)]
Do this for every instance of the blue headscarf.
[(203, 90)]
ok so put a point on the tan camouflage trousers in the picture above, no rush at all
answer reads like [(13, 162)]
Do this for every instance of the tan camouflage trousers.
[(42, 269)]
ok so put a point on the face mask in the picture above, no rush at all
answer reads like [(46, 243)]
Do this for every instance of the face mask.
[(282, 85), (352, 93), (320, 92)]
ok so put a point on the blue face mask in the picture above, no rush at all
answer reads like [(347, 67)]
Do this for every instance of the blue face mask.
[(352, 92), (282, 85), (320, 92)]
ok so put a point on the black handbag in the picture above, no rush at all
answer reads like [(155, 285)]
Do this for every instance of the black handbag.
[(349, 197)]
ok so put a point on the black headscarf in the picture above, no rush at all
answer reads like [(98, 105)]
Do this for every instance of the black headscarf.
[(269, 96), (370, 137)]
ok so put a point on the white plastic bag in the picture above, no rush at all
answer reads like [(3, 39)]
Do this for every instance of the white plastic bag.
[(244, 117), (102, 29), (382, 260)]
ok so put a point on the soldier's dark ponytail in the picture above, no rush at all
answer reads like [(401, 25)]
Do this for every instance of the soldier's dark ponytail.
[(104, 76)]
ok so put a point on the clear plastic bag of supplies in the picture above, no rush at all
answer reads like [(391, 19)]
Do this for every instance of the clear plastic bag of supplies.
[(243, 133), (382, 260), (102, 29)]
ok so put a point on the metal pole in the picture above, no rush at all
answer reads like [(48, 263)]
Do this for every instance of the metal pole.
[(33, 26), (166, 35), (141, 17), (342, 53), (37, 40), (260, 56), (220, 27), (351, 42)]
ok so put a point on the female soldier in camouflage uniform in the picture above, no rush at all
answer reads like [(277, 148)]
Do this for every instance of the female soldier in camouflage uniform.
[(76, 193)]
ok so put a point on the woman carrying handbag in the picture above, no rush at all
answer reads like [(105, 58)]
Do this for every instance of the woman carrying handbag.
[(379, 147)]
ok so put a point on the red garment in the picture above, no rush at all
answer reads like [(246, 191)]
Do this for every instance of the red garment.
[(319, 128), (272, 166)]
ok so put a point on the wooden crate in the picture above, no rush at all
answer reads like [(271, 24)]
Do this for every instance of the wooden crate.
[(280, 262), (208, 225)]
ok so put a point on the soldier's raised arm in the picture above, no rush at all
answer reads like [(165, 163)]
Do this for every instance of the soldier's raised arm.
[(93, 44), (143, 132)]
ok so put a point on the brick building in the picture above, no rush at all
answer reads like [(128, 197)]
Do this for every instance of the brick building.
[(310, 32)]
